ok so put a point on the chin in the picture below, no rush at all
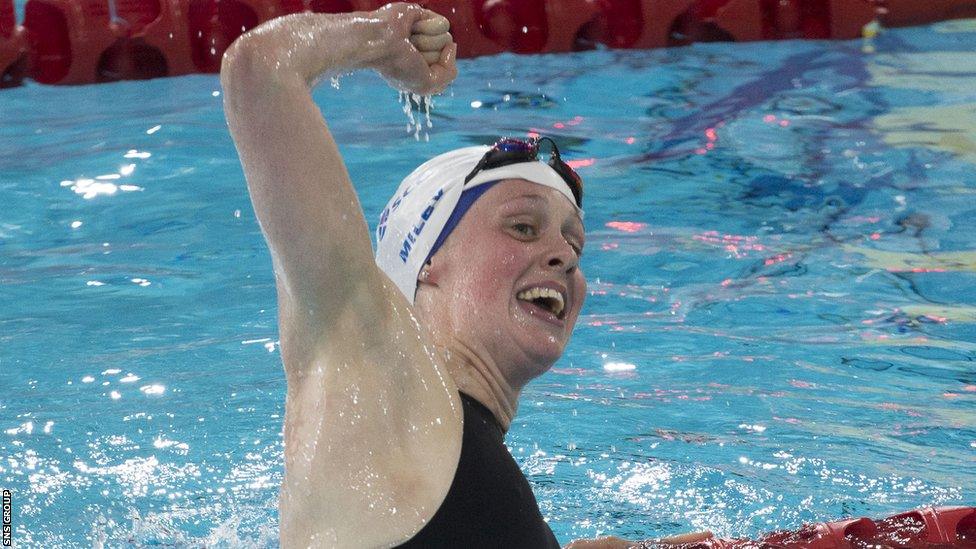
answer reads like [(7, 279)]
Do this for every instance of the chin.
[(533, 344), (541, 356)]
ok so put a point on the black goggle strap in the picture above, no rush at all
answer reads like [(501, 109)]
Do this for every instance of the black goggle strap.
[(571, 179), (496, 157), (564, 170)]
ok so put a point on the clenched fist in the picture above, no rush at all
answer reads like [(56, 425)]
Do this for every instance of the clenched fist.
[(418, 51)]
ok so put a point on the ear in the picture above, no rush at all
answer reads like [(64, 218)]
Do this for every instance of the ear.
[(428, 275)]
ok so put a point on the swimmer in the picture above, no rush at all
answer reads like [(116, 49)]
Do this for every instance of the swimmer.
[(404, 370)]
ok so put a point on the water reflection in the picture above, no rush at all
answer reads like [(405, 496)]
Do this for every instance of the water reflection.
[(778, 329)]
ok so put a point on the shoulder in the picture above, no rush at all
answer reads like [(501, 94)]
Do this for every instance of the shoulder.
[(373, 429)]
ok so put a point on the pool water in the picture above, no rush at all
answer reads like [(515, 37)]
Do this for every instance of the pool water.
[(781, 326)]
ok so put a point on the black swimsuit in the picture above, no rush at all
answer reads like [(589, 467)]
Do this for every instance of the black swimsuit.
[(490, 504)]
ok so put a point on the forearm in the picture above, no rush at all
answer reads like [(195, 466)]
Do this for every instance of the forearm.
[(306, 47)]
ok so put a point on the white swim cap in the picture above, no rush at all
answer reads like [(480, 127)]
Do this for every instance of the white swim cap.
[(419, 211)]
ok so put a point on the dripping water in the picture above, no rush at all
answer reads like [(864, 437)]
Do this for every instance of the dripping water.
[(422, 103)]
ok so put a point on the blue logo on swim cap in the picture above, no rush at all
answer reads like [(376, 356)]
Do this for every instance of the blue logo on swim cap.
[(385, 216), (418, 227), (381, 230)]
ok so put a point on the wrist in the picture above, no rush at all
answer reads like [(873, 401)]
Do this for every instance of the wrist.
[(337, 43), (374, 44)]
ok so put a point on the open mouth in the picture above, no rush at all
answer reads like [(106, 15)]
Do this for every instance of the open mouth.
[(547, 299)]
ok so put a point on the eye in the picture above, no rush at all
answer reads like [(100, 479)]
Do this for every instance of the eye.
[(524, 229), (575, 242), (577, 248)]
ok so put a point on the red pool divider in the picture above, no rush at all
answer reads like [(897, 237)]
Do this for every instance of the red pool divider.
[(67, 37), (329, 6), (157, 36), (903, 13), (215, 24), (13, 47), (656, 20), (78, 41), (927, 528), (749, 20), (617, 23), (494, 26)]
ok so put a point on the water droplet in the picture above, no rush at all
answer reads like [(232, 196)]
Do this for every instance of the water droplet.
[(424, 103)]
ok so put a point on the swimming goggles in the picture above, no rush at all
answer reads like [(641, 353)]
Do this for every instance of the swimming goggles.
[(509, 150)]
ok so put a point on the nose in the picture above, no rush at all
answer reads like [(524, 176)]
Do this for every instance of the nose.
[(561, 256)]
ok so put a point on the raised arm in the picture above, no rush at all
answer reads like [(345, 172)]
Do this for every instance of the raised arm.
[(299, 185), (373, 424)]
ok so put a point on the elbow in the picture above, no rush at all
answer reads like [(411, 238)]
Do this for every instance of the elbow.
[(252, 68), (241, 62), (249, 73)]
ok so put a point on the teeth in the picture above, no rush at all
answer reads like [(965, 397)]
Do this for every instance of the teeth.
[(544, 293)]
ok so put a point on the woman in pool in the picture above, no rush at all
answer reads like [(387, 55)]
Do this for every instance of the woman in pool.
[(404, 372)]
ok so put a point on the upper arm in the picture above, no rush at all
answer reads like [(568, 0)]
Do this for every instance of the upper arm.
[(299, 187)]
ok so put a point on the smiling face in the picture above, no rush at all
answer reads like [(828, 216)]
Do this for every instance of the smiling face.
[(507, 280)]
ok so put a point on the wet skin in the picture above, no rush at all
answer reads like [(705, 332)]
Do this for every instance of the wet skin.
[(517, 236)]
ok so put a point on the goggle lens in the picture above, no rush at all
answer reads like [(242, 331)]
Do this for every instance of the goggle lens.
[(508, 151)]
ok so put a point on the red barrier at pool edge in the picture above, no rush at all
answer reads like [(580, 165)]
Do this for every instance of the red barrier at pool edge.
[(214, 25), (13, 47), (329, 6), (927, 528), (67, 38), (76, 42), (160, 25), (903, 13)]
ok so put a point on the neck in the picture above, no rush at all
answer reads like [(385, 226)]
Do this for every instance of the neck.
[(481, 379)]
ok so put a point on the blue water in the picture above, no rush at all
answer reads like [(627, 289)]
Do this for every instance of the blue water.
[(781, 256)]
